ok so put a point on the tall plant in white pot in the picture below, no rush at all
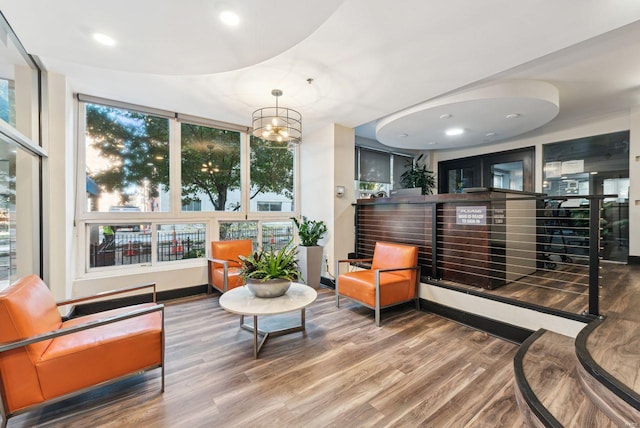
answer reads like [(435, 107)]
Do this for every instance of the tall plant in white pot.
[(309, 252)]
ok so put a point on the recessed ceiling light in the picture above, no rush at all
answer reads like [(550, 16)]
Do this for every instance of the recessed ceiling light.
[(490, 134), (229, 18), (431, 143), (104, 39), (403, 135), (446, 116), (513, 115), (454, 131), (593, 172)]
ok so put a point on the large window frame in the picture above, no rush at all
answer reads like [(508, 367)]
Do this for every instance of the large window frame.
[(175, 213)]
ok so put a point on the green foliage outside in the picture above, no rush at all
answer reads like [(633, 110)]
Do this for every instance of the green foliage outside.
[(136, 148)]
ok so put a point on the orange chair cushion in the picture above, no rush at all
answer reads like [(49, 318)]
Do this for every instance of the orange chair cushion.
[(27, 309), (234, 280), (229, 251), (360, 286), (88, 357), (395, 287)]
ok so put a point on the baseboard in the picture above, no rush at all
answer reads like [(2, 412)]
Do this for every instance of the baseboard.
[(499, 329), (329, 282), (633, 260), (161, 296)]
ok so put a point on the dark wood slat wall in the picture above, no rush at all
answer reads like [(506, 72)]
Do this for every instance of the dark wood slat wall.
[(400, 223)]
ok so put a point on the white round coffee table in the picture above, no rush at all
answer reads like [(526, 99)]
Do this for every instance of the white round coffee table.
[(241, 301)]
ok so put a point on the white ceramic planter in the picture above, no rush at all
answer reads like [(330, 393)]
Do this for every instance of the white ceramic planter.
[(310, 264)]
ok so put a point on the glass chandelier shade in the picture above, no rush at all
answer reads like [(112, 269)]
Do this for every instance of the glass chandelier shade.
[(279, 124)]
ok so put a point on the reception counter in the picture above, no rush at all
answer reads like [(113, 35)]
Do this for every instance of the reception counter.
[(483, 237)]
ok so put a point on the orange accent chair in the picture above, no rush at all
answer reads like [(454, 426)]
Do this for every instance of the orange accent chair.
[(224, 264), (393, 278), (44, 359)]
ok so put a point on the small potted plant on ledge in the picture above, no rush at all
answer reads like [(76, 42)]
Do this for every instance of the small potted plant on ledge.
[(269, 273), (309, 252)]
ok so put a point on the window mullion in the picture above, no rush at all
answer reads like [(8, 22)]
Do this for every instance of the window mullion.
[(175, 160)]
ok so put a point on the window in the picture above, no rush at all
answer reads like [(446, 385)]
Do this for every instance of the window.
[(210, 168), (271, 175), (8, 101), (127, 160), (180, 241), (21, 246), (269, 206), (200, 178), (377, 172), (596, 165), (510, 170)]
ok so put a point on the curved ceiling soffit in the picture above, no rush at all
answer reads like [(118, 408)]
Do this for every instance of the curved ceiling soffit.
[(196, 45), (485, 115)]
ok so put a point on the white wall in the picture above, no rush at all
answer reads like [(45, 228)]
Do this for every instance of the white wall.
[(326, 161), (586, 127), (58, 190)]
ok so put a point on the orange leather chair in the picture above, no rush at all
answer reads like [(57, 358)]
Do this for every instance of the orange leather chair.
[(45, 359), (224, 264), (393, 278)]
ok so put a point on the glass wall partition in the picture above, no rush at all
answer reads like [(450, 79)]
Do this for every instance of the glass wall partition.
[(596, 165), (20, 161)]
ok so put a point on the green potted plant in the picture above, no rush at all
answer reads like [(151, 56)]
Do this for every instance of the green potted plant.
[(309, 252), (268, 273), (418, 175)]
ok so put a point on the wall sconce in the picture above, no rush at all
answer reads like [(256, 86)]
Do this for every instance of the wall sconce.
[(339, 191)]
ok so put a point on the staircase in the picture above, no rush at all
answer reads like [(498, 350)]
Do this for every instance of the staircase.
[(591, 381)]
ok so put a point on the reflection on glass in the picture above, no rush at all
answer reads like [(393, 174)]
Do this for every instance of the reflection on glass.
[(460, 179), (119, 244), (127, 160), (180, 241), (210, 169), (7, 215), (507, 175), (276, 235), (239, 230)]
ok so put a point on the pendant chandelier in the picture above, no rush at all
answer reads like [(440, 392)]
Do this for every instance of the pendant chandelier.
[(279, 124)]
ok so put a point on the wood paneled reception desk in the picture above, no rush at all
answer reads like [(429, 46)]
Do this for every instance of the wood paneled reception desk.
[(483, 237)]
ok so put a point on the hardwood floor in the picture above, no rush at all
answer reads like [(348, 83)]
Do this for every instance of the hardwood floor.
[(416, 370)]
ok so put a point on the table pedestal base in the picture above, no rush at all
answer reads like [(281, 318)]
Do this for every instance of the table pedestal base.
[(271, 333)]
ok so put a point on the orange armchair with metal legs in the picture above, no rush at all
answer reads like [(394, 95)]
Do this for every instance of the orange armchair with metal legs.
[(44, 359), (393, 278), (224, 263)]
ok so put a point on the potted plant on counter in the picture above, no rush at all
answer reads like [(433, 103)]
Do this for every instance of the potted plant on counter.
[(269, 273), (309, 252)]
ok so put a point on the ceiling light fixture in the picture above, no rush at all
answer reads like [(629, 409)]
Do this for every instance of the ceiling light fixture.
[(490, 134), (513, 116), (229, 18), (278, 124), (446, 116), (103, 39), (403, 135), (451, 132)]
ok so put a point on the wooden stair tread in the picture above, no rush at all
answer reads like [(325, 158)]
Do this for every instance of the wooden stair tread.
[(550, 369)]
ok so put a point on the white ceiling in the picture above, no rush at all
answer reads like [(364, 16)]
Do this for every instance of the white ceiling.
[(369, 59)]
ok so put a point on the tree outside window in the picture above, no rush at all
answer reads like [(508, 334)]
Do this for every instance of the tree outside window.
[(127, 158), (210, 168), (271, 174)]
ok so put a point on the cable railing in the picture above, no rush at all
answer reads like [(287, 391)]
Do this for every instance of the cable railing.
[(540, 250)]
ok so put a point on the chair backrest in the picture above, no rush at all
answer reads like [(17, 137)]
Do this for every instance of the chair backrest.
[(389, 255), (230, 250), (27, 308)]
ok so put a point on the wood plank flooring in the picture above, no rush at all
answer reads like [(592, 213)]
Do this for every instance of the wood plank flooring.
[(550, 368), (416, 370)]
